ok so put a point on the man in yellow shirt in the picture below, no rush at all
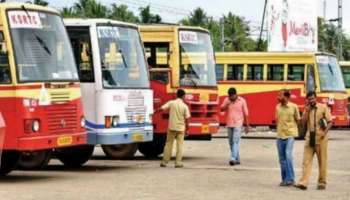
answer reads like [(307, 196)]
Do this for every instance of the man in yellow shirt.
[(318, 119), (287, 119), (178, 125)]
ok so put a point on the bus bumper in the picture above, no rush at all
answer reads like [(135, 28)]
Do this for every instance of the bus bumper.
[(51, 141), (122, 136), (198, 128)]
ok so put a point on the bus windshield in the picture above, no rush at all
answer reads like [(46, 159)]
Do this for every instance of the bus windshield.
[(122, 58), (41, 47), (330, 74), (196, 59)]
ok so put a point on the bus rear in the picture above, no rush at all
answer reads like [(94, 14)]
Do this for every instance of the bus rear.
[(40, 91)]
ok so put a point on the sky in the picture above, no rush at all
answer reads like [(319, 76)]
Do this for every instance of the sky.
[(174, 10)]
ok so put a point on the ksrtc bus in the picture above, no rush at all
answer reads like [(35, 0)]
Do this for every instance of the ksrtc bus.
[(40, 96), (115, 84), (259, 76), (181, 57)]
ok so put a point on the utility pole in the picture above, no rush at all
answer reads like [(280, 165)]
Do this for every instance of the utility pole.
[(340, 28), (222, 30), (258, 48)]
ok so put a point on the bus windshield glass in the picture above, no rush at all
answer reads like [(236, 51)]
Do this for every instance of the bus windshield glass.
[(122, 58), (197, 59), (41, 47), (330, 74)]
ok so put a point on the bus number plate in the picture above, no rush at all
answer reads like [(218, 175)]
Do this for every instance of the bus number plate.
[(205, 128), (137, 137), (64, 140)]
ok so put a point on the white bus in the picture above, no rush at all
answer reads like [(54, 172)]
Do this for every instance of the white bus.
[(115, 84)]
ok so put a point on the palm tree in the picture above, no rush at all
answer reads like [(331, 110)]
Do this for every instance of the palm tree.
[(147, 17), (90, 8), (122, 13), (68, 12)]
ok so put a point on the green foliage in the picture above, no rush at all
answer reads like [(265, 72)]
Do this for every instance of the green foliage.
[(147, 17), (41, 2), (122, 13)]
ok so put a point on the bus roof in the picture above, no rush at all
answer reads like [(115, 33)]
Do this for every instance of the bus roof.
[(14, 5), (93, 21), (169, 28), (265, 54)]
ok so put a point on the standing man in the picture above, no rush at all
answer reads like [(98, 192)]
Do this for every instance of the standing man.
[(237, 113), (318, 119), (287, 119), (178, 126)]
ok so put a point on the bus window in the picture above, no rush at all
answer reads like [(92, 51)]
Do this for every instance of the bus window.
[(219, 69), (346, 76), (275, 72), (235, 72), (296, 72), (158, 56), (5, 76), (310, 78), (80, 39), (255, 72)]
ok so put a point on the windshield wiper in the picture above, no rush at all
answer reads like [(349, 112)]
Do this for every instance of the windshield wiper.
[(43, 44), (330, 69), (123, 58), (40, 40)]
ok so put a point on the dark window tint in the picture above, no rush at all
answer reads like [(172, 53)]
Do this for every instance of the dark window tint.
[(219, 70), (255, 72), (275, 72), (296, 72), (235, 72)]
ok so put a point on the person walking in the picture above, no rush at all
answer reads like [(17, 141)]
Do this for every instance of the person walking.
[(237, 113), (318, 120), (179, 115), (287, 119)]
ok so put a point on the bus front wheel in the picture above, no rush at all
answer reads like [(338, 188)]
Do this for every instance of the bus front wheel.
[(120, 151), (153, 149), (74, 156), (32, 160), (9, 160)]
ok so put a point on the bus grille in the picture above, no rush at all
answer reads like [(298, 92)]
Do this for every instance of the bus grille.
[(59, 97), (62, 119)]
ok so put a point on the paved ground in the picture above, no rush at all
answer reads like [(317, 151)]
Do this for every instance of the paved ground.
[(206, 175)]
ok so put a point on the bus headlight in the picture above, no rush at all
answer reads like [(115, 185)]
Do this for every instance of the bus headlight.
[(82, 122), (111, 121), (35, 125)]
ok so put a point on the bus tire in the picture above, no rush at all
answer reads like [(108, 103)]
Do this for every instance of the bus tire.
[(32, 160), (74, 156), (9, 160), (120, 151), (153, 149)]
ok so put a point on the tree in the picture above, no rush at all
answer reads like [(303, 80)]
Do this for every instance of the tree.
[(90, 8), (41, 2), (197, 18), (147, 17), (68, 12), (122, 13)]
